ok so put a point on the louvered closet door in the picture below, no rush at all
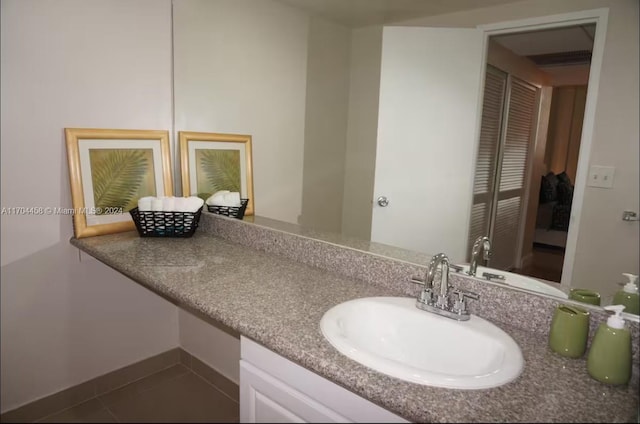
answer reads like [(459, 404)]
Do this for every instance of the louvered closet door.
[(513, 159), (487, 159)]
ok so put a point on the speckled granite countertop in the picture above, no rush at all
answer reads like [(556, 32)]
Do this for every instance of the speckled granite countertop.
[(279, 302)]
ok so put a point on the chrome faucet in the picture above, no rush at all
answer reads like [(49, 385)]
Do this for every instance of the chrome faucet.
[(440, 303), (442, 260), (482, 244)]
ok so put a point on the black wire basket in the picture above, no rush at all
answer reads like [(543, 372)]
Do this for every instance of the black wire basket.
[(165, 224), (232, 211)]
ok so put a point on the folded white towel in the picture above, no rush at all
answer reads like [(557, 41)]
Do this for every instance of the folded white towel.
[(144, 203)]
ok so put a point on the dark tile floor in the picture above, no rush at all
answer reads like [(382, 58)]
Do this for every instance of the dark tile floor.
[(545, 264), (174, 395)]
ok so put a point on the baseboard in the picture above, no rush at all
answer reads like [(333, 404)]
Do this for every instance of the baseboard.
[(83, 392), (212, 376)]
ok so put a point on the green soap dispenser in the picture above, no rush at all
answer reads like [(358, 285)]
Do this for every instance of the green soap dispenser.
[(628, 295), (609, 359)]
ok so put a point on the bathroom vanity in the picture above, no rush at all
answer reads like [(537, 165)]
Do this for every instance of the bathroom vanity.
[(273, 287)]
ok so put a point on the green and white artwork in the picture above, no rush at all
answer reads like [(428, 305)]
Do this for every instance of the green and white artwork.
[(120, 177), (217, 170)]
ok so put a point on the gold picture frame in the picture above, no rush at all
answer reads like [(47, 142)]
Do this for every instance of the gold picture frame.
[(212, 161), (109, 170)]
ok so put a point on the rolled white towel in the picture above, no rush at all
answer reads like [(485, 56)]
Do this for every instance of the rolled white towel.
[(169, 204), (232, 199), (156, 204), (188, 204), (144, 203), (217, 198), (193, 203), (180, 204), (229, 199)]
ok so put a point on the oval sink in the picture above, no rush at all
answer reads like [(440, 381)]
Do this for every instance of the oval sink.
[(391, 335), (520, 281)]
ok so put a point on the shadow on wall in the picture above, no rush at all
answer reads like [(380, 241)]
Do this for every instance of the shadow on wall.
[(34, 333), (64, 322)]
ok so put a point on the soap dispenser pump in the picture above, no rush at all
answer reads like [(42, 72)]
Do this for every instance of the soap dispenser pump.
[(628, 295), (609, 359)]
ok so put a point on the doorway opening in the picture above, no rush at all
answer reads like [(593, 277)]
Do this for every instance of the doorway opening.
[(529, 149)]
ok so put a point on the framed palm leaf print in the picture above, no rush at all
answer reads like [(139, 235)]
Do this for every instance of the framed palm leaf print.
[(109, 171), (211, 162)]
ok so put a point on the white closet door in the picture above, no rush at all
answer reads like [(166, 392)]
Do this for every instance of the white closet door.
[(522, 100), (427, 131), (487, 158)]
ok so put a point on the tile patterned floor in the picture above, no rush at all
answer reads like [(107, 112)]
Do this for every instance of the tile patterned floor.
[(174, 395)]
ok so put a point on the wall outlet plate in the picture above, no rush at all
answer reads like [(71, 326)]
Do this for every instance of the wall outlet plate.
[(601, 176)]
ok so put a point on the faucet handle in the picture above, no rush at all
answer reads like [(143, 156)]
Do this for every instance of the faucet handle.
[(416, 280), (460, 306), (456, 268), (490, 276)]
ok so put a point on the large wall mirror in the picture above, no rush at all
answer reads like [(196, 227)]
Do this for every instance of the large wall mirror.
[(395, 127)]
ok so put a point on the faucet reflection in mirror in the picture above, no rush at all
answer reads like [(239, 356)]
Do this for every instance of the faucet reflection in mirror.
[(303, 191), (441, 303), (483, 244)]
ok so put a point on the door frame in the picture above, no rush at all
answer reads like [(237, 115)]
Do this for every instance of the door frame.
[(594, 16)]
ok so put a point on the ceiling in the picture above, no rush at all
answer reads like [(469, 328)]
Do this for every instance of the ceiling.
[(545, 48), (359, 13), (552, 47)]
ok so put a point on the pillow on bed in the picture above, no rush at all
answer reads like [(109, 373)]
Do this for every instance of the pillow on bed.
[(548, 188), (564, 178), (565, 193), (561, 217)]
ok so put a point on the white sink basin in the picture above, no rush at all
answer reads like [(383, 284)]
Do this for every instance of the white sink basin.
[(391, 335), (520, 281)]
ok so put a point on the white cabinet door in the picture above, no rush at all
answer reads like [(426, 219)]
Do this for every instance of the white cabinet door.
[(274, 389), (265, 399)]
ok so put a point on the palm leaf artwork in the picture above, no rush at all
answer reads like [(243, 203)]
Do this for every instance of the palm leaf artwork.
[(220, 169), (117, 176)]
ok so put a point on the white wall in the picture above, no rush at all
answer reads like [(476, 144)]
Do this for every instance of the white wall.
[(240, 67), (606, 245), (327, 104), (72, 63), (210, 344), (362, 131)]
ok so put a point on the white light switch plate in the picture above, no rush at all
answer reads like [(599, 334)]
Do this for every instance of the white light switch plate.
[(601, 176)]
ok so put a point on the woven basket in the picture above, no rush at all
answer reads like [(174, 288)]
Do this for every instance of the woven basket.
[(232, 211), (165, 224)]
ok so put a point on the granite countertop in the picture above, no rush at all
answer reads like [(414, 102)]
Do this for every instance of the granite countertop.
[(279, 303)]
